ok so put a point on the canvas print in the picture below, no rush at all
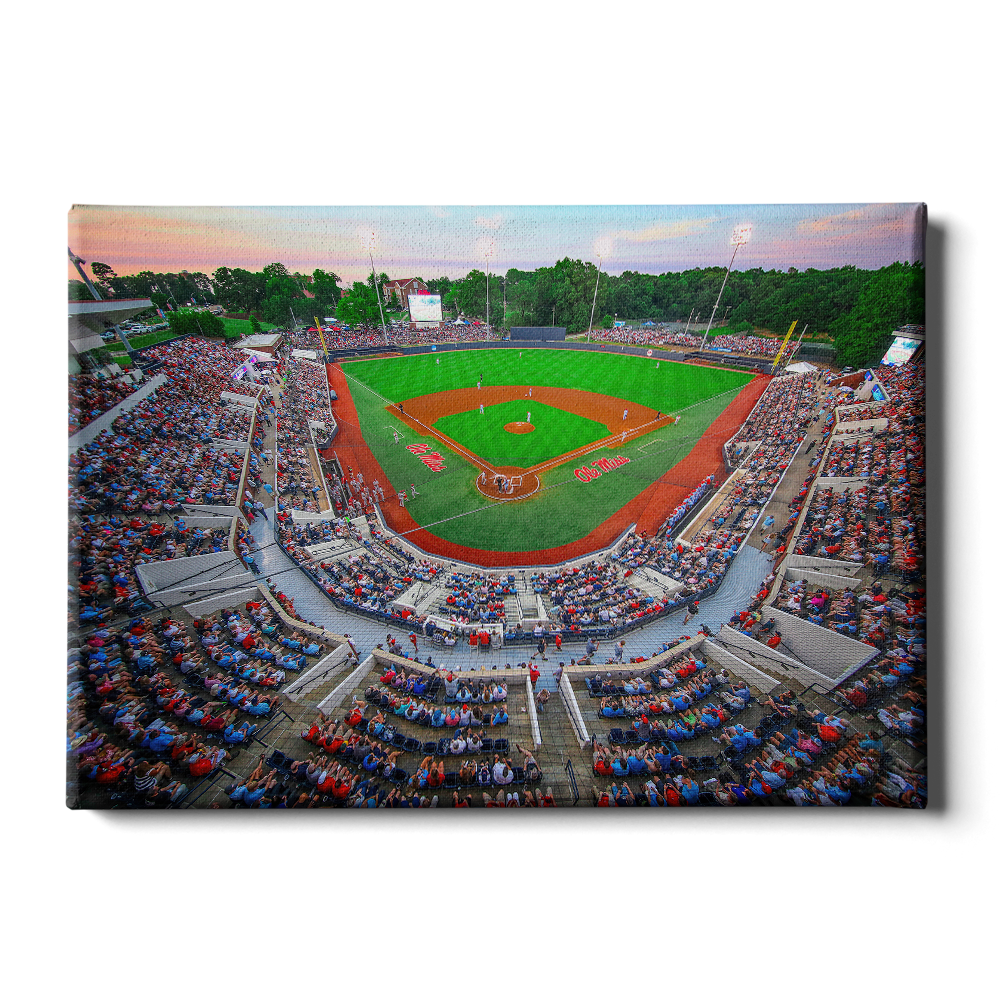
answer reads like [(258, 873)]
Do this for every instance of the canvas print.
[(504, 507)]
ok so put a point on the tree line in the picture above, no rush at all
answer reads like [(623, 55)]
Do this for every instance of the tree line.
[(858, 308)]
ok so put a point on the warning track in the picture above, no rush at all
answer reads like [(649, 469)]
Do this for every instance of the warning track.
[(647, 510)]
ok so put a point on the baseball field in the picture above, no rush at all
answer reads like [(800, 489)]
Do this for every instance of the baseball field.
[(533, 456)]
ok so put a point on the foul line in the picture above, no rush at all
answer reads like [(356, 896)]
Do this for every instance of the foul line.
[(446, 441), (555, 462)]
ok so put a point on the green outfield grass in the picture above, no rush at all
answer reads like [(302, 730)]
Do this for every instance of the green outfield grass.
[(668, 388), (555, 433), (450, 506)]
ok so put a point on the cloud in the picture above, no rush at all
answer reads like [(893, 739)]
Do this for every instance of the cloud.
[(830, 224), (438, 211), (490, 222), (658, 231)]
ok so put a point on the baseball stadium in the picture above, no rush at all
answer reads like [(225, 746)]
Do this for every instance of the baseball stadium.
[(391, 545)]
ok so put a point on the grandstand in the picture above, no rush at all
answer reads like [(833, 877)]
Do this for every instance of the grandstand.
[(247, 630)]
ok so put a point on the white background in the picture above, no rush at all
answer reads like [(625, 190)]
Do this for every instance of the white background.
[(526, 102)]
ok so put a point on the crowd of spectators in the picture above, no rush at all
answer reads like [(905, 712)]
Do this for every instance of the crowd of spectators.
[(363, 337), (658, 335), (863, 411), (105, 551), (92, 395), (880, 521), (129, 486), (152, 700), (761, 347)]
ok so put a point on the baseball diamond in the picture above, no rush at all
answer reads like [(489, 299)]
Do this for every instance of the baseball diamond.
[(458, 452)]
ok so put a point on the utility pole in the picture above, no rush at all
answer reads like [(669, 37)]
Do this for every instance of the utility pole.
[(688, 323), (489, 253), (593, 305), (371, 257)]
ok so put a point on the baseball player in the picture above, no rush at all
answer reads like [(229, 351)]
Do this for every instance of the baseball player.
[(402, 499), (395, 436), (625, 414), (413, 489), (529, 416), (481, 410)]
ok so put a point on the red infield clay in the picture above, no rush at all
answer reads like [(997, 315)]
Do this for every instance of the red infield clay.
[(519, 427), (648, 510)]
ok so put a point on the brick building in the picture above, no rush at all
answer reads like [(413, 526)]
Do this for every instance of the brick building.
[(399, 288)]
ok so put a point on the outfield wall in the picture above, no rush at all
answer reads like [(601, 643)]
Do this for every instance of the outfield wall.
[(521, 345)]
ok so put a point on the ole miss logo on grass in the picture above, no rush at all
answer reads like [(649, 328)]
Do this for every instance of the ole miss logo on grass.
[(431, 459), (601, 465)]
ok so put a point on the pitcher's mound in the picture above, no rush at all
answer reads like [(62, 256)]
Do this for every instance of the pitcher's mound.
[(519, 427)]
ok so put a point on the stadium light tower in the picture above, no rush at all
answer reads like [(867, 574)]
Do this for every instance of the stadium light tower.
[(740, 236), (593, 305), (378, 297), (489, 253)]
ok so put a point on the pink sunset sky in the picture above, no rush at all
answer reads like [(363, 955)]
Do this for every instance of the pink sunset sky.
[(434, 241)]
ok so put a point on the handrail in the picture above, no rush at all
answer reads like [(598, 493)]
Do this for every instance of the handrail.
[(572, 780), (207, 782)]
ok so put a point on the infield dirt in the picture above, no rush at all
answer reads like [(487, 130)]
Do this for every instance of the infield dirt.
[(647, 510)]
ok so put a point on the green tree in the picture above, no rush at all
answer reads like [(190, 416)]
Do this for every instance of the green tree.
[(326, 288), (276, 271), (891, 297), (360, 305), (195, 324), (103, 275)]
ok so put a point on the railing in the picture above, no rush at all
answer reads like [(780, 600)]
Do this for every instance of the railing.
[(196, 791), (269, 727), (571, 776)]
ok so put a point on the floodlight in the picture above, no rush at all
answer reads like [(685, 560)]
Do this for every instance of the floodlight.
[(740, 235)]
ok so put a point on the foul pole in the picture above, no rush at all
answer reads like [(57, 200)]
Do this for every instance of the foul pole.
[(321, 340), (784, 343)]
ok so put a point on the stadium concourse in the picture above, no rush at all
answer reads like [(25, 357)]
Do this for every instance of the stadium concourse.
[(245, 633)]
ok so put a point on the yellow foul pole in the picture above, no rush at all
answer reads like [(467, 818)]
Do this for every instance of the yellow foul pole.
[(323, 342), (788, 337)]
